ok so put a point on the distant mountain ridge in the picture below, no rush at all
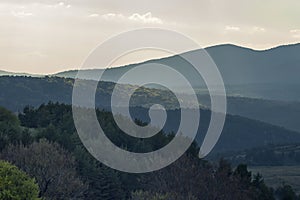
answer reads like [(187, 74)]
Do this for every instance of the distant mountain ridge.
[(269, 74), (238, 65), (214, 51), (7, 73)]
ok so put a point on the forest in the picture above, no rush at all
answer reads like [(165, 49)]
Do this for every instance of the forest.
[(42, 157)]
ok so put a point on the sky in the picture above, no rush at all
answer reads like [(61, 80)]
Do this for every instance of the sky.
[(49, 36)]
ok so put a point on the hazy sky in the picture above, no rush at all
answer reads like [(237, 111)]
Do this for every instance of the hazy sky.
[(48, 36)]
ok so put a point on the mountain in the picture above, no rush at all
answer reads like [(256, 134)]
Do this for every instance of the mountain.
[(269, 74), (239, 133), (6, 73), (22, 91), (279, 113), (242, 66)]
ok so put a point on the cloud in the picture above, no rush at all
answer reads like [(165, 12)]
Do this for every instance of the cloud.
[(21, 14), (146, 18), (259, 29), (295, 33), (232, 28), (59, 5), (136, 17), (94, 15), (113, 16)]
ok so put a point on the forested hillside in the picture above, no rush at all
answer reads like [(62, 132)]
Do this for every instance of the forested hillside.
[(239, 133), (23, 91), (71, 173)]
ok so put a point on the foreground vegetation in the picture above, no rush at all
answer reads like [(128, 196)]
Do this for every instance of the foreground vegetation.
[(15, 184), (43, 143)]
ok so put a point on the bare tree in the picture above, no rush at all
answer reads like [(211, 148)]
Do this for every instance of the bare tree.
[(52, 166)]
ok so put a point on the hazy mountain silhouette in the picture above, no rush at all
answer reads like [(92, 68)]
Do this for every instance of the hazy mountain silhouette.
[(270, 74)]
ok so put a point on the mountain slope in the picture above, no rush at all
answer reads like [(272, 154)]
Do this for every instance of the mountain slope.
[(22, 91), (239, 133), (279, 113)]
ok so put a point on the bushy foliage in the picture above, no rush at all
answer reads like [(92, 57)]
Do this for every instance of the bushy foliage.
[(16, 184)]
